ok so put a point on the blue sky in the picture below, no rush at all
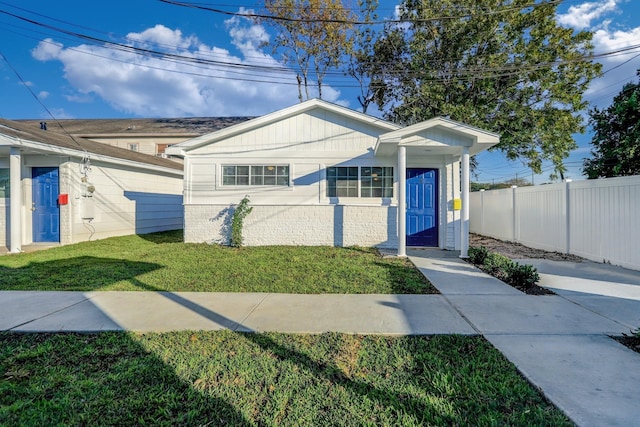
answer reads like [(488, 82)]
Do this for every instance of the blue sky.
[(78, 78)]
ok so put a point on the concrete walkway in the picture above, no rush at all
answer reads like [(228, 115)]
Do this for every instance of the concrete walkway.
[(558, 342)]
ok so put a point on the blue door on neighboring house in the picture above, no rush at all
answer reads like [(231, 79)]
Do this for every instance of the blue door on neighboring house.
[(46, 212), (422, 207)]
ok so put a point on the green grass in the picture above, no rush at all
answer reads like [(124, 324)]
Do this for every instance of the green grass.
[(160, 261), (227, 378)]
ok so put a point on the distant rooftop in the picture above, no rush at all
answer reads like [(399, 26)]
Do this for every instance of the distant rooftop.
[(190, 125)]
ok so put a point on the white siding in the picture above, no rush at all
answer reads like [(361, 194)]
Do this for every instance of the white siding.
[(298, 136), (127, 201)]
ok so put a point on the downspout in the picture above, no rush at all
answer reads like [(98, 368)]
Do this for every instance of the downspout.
[(15, 217)]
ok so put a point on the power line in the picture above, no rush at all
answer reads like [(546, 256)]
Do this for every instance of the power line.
[(24, 83), (254, 15)]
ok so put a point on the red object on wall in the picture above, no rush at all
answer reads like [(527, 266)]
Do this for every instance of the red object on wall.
[(63, 199)]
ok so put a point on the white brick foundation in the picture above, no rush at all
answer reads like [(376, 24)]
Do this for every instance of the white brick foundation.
[(314, 225)]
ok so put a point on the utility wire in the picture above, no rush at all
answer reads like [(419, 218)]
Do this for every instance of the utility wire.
[(26, 85), (471, 73), (254, 15)]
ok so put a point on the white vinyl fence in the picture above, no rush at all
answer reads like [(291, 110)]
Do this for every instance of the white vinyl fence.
[(594, 219)]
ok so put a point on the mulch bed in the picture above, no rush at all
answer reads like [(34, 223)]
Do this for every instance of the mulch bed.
[(535, 290)]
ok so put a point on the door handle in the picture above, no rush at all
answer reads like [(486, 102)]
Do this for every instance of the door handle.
[(33, 206)]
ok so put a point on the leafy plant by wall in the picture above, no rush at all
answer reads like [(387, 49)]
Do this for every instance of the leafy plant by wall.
[(237, 222)]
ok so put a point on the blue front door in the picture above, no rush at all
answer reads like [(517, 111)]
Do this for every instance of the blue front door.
[(46, 212), (422, 207)]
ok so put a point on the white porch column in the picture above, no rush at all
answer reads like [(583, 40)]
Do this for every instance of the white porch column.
[(402, 201), (464, 219), (15, 218)]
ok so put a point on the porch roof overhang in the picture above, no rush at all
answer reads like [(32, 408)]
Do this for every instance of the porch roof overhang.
[(436, 137)]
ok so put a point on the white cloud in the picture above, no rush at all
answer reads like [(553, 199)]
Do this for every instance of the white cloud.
[(620, 68), (47, 50), (43, 95), (222, 84), (581, 16)]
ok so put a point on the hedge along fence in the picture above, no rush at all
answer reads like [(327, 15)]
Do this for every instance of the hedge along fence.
[(521, 276), (594, 219)]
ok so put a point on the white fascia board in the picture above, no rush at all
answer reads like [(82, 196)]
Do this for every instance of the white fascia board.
[(183, 147), (18, 142), (478, 134)]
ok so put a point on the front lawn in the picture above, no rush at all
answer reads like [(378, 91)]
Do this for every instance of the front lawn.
[(161, 262), (227, 378)]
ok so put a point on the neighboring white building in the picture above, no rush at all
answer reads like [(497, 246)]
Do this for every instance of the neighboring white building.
[(321, 174), (58, 189)]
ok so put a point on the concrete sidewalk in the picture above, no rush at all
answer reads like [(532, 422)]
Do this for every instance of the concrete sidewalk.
[(258, 312), (559, 342)]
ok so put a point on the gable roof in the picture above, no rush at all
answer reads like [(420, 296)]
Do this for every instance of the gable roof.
[(312, 104), (476, 139), (28, 135)]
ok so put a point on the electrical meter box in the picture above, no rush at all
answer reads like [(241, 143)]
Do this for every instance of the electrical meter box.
[(87, 207)]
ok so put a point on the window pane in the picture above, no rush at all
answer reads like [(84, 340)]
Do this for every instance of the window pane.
[(255, 175), (4, 184), (376, 182), (353, 172)]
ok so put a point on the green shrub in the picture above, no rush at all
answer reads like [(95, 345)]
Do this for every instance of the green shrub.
[(498, 266), (478, 255), (523, 275)]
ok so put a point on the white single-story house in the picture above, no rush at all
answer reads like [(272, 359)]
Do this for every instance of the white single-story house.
[(60, 189), (321, 174)]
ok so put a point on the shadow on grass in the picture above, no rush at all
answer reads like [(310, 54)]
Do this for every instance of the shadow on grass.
[(83, 273), (400, 403), (172, 236), (98, 379)]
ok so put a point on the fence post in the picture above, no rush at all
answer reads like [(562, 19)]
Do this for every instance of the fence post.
[(567, 209), (481, 212), (514, 221)]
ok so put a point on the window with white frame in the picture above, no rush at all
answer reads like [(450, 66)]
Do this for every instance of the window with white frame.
[(260, 175), (364, 181), (376, 181)]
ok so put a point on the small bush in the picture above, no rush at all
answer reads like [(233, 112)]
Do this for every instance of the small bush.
[(478, 255), (523, 276), (498, 266)]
